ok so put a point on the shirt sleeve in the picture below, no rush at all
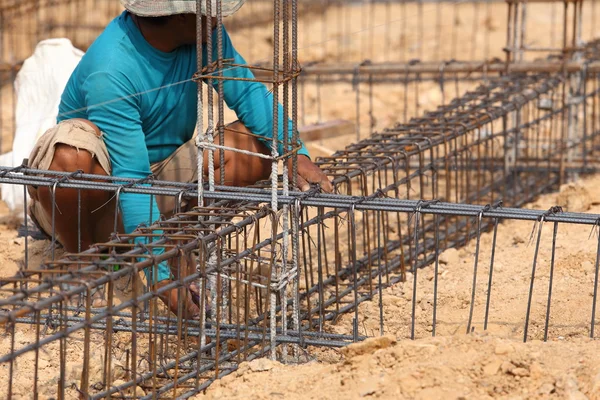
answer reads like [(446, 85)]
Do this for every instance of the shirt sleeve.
[(251, 101), (114, 107)]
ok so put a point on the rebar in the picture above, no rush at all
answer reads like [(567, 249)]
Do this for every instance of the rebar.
[(276, 266)]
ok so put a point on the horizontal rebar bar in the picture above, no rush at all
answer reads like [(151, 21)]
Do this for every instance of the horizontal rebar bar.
[(258, 197)]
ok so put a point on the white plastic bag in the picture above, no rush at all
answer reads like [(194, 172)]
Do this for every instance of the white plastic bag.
[(39, 86)]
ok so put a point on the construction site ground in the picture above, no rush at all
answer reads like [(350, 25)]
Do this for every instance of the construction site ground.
[(453, 364)]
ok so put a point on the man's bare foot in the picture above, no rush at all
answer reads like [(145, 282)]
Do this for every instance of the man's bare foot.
[(98, 300)]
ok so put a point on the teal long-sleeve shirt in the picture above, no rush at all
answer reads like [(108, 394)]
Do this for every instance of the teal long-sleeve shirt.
[(144, 102)]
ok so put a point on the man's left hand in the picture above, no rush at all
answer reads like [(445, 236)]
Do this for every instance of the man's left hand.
[(309, 173)]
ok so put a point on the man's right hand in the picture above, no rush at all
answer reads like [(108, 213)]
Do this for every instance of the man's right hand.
[(309, 172), (171, 299)]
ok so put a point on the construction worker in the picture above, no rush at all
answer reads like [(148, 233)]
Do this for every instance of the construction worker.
[(130, 109)]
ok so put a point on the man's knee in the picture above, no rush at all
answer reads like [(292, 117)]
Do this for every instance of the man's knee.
[(241, 137), (70, 159), (237, 127)]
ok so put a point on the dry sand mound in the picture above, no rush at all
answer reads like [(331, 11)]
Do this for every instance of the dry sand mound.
[(456, 367)]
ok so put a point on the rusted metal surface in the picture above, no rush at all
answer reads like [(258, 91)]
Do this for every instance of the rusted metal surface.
[(275, 267)]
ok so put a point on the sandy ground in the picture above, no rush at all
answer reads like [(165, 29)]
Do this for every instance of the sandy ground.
[(459, 367), (48, 370), (452, 365), (572, 291), (493, 363), (49, 365)]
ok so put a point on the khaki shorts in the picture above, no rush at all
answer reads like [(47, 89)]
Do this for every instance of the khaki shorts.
[(181, 166)]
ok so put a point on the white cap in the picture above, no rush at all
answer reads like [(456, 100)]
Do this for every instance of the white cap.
[(160, 8)]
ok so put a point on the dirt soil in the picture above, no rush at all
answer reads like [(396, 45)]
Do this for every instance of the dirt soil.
[(452, 365), (493, 363)]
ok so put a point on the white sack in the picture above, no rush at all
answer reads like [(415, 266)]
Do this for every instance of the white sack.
[(39, 86)]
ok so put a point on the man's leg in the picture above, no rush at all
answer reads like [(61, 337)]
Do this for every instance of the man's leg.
[(240, 169), (67, 148), (72, 232), (97, 211), (95, 204)]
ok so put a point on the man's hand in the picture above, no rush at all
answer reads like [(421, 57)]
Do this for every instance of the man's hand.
[(172, 299), (309, 173)]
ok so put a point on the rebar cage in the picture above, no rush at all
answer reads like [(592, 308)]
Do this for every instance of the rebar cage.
[(280, 272)]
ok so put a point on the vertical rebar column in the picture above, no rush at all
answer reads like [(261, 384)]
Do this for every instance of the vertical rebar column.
[(274, 170), (576, 87), (523, 31), (220, 105), (209, 96), (509, 22), (200, 137), (2, 23), (221, 133), (515, 34), (200, 140), (296, 213), (286, 136), (210, 128), (579, 27)]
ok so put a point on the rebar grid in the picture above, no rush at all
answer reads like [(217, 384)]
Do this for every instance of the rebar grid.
[(388, 237), (275, 267), (474, 142), (48, 297)]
